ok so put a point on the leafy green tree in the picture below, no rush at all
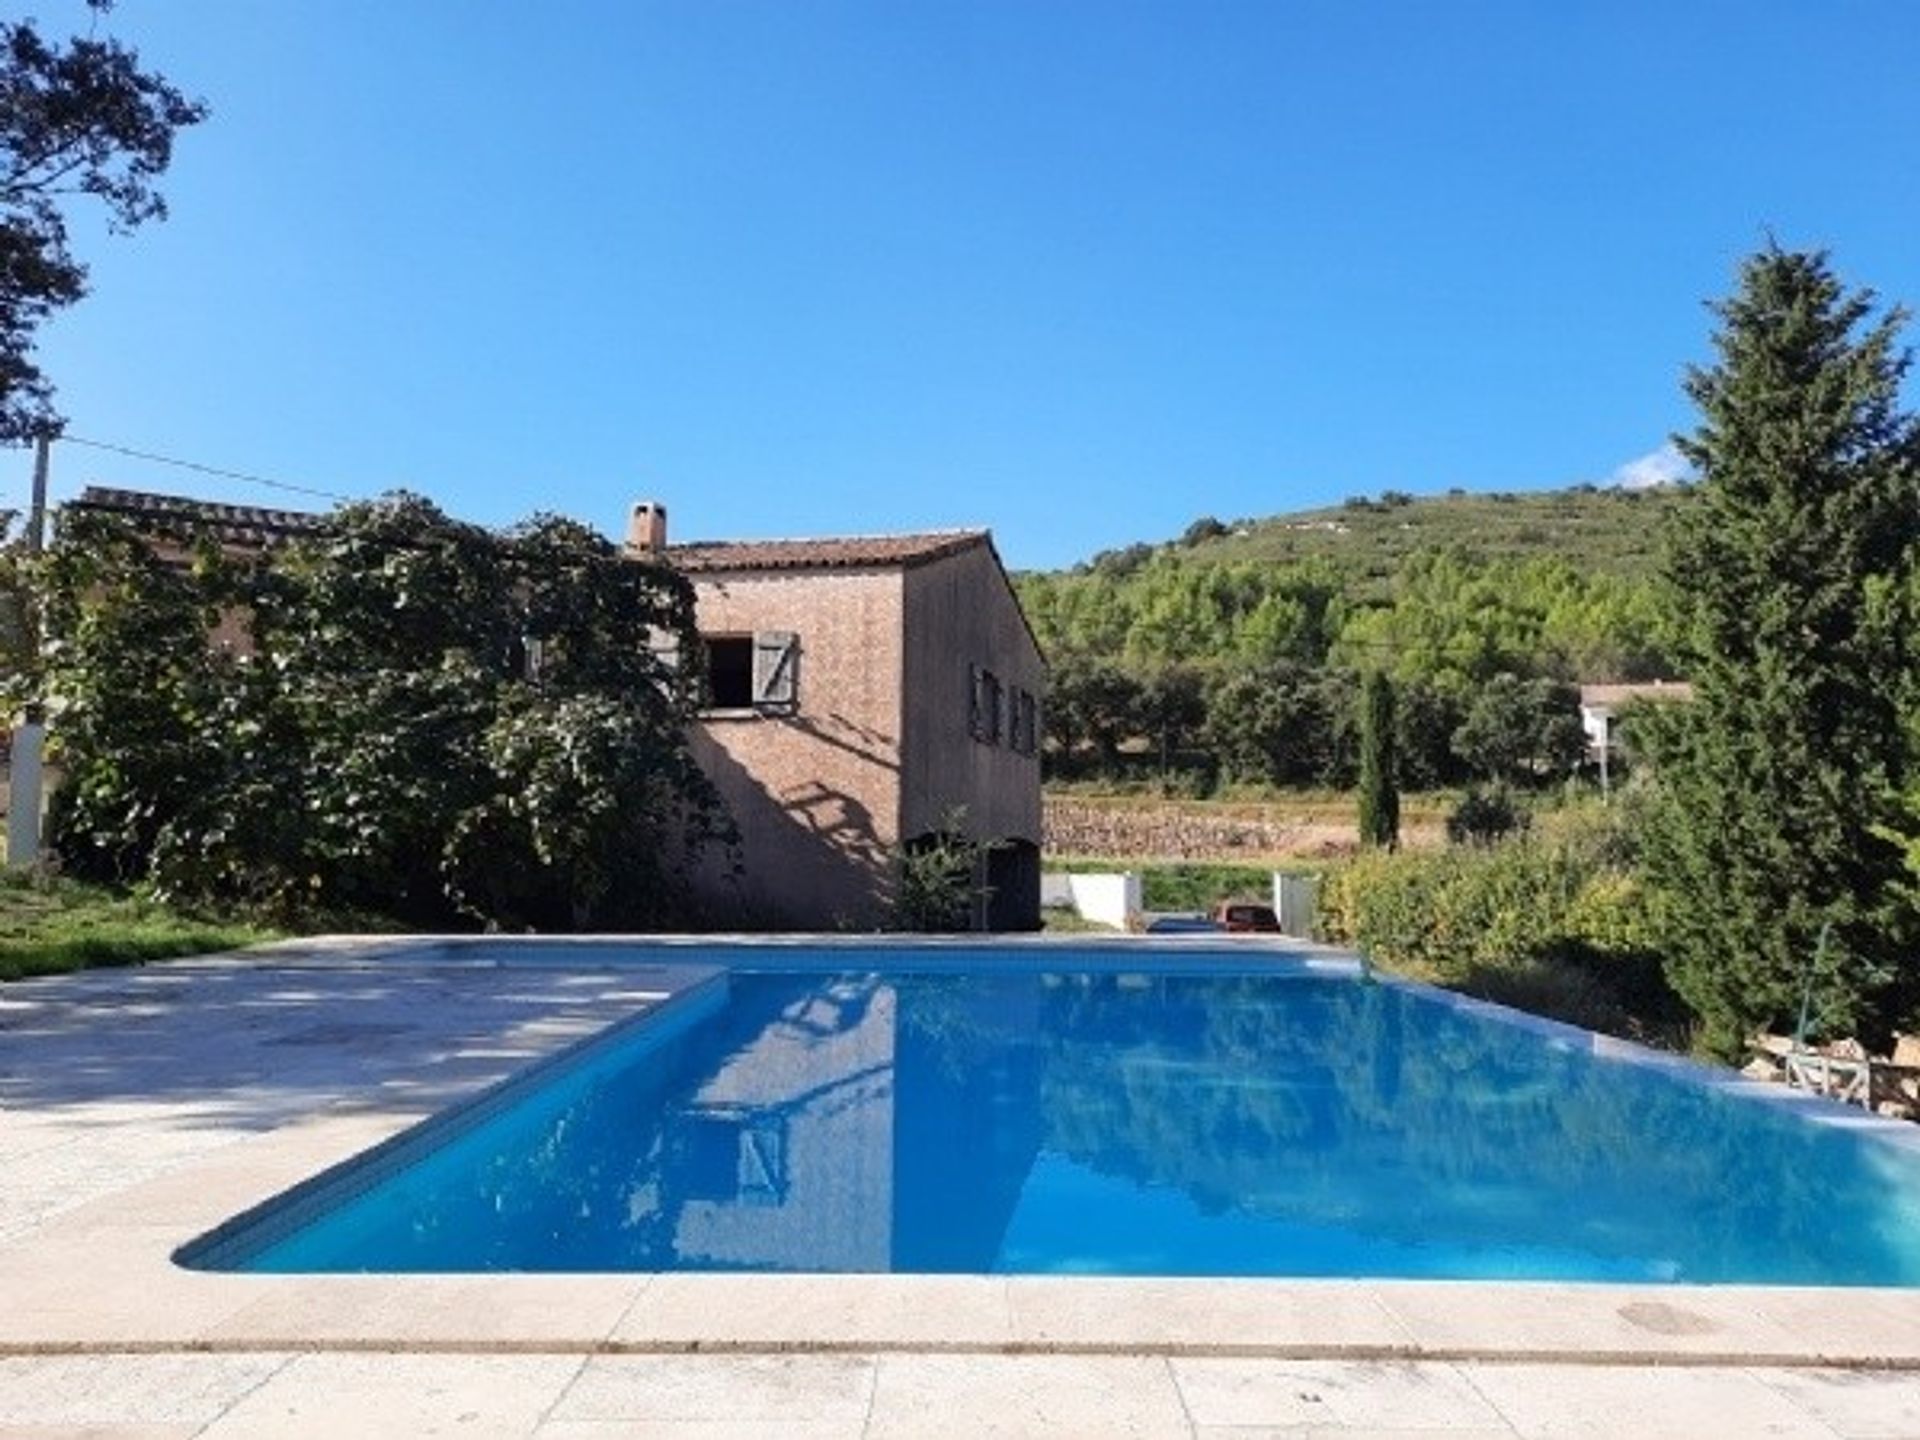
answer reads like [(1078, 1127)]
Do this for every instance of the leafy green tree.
[(1425, 717), (1521, 731), (1790, 572), (1171, 708), (138, 692), (1269, 726), (19, 660), (79, 119), (1092, 701), (1335, 760), (1379, 785), (418, 719), (1202, 530)]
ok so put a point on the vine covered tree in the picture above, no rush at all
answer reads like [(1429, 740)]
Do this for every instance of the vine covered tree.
[(79, 119), (398, 715), (1379, 782), (1776, 816)]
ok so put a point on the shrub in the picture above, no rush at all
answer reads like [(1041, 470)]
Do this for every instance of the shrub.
[(1485, 816), (1555, 923)]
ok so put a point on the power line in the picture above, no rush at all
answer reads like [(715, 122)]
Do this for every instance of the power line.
[(205, 469)]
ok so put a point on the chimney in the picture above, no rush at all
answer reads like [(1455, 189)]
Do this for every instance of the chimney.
[(647, 528)]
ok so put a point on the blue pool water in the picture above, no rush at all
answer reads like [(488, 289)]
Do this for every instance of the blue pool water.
[(1009, 1121)]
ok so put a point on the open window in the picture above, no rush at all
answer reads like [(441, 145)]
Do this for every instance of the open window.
[(986, 705), (730, 671), (753, 672)]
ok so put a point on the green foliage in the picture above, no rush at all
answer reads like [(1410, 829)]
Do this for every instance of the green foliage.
[(1286, 725), (1091, 702), (1555, 923), (1158, 609), (937, 878), (1274, 627), (1522, 731), (1195, 886), (421, 719), (19, 650), (1485, 816), (1170, 709), (1595, 532), (1792, 582), (1379, 778), (76, 119), (1425, 717)]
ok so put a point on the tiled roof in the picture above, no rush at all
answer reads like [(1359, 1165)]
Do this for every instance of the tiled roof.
[(840, 553), (240, 524), (254, 525)]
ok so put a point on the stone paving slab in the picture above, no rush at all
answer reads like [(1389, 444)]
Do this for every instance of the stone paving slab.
[(873, 1396)]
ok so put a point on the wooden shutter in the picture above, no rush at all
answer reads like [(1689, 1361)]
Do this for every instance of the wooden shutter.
[(974, 727), (776, 666)]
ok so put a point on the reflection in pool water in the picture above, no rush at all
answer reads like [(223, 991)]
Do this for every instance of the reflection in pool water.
[(1132, 1124)]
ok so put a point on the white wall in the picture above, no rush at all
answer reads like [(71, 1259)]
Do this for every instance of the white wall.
[(1107, 899)]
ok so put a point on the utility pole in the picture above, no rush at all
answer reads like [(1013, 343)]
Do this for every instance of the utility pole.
[(37, 514), (30, 736)]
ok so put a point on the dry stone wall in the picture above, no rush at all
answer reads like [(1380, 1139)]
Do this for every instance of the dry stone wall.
[(1169, 831)]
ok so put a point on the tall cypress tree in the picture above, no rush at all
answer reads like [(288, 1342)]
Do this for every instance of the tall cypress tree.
[(1775, 814), (1379, 783)]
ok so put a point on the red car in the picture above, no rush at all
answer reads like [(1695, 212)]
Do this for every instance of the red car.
[(1240, 917)]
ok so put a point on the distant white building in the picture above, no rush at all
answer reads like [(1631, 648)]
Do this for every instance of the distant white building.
[(1600, 706)]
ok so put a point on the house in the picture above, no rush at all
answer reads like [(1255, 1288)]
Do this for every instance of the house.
[(1600, 706), (867, 693)]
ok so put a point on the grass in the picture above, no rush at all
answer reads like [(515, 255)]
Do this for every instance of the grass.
[(1057, 921), (49, 926)]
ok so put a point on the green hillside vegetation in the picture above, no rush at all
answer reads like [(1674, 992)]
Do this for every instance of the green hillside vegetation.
[(1233, 652), (1597, 531), (1555, 583)]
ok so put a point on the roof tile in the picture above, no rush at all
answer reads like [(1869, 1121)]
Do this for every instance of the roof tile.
[(240, 524), (838, 553)]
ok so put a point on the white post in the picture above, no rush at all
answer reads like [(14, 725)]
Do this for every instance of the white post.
[(23, 813)]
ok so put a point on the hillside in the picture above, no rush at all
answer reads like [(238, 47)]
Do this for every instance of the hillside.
[(1598, 531), (1235, 650)]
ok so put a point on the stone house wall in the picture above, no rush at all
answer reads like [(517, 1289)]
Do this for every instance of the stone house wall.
[(814, 789)]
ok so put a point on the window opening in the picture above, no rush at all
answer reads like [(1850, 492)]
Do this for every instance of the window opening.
[(730, 672)]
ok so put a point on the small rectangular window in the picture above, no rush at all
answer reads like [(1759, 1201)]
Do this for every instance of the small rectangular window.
[(1023, 735), (986, 706)]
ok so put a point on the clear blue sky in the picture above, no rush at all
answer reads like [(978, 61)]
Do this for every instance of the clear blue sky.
[(1078, 271)]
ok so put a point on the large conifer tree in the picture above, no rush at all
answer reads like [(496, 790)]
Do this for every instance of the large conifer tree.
[(1790, 569)]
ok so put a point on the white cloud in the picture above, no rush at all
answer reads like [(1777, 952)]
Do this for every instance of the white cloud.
[(1665, 466)]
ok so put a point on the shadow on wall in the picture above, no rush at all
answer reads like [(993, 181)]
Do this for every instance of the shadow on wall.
[(811, 858)]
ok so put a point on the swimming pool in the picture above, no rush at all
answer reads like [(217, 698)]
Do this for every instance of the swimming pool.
[(1067, 1114)]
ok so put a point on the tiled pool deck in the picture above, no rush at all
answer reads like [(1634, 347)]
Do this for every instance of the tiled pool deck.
[(140, 1108)]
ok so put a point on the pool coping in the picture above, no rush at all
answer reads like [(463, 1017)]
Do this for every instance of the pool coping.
[(101, 1279)]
